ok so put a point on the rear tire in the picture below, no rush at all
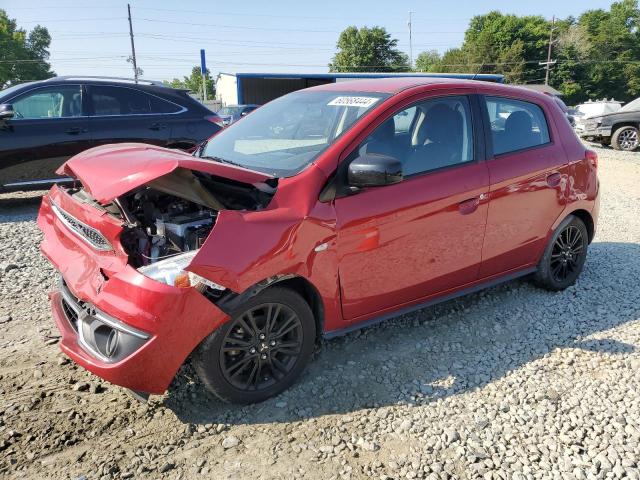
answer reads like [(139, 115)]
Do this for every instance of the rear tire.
[(564, 256), (261, 351), (626, 138)]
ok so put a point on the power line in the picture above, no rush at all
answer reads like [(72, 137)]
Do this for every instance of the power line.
[(274, 29), (74, 20), (496, 64), (239, 14)]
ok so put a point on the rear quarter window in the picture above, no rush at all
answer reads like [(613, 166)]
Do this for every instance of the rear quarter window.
[(108, 101), (516, 124)]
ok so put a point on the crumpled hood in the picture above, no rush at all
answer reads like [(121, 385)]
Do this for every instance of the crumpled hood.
[(110, 171)]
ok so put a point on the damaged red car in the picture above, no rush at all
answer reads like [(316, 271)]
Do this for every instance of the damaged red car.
[(324, 211)]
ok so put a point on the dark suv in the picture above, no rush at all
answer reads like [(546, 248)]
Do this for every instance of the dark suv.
[(44, 123), (619, 129)]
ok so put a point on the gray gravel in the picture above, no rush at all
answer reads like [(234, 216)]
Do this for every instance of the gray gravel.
[(510, 383)]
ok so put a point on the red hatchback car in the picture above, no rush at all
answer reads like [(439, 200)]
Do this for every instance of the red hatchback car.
[(324, 211)]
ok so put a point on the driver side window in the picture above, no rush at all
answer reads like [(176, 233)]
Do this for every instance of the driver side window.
[(51, 102), (426, 136)]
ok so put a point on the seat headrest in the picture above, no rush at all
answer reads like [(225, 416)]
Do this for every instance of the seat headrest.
[(518, 121), (386, 131), (442, 124)]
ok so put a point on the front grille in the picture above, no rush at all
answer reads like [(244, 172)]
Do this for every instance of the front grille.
[(99, 334), (71, 314), (89, 234)]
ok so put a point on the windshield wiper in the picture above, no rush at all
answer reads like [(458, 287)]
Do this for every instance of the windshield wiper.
[(222, 160)]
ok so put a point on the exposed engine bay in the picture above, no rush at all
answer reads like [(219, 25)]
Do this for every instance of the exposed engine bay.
[(175, 213), (166, 226)]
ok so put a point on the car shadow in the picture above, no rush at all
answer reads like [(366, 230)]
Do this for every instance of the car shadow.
[(19, 207), (445, 350)]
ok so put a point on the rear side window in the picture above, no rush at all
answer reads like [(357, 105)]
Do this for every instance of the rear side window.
[(127, 101), (516, 125)]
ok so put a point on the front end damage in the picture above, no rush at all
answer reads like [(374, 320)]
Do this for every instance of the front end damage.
[(127, 307)]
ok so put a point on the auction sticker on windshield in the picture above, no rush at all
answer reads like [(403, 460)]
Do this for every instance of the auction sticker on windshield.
[(362, 102)]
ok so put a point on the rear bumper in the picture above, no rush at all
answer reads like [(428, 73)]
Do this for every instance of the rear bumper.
[(595, 212), (172, 320)]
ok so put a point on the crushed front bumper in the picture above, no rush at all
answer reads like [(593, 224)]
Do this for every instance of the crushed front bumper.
[(158, 325), (593, 130)]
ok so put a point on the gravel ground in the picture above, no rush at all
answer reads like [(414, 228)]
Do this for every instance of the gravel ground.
[(510, 383)]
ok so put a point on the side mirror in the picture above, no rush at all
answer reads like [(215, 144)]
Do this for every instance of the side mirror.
[(6, 111), (373, 170)]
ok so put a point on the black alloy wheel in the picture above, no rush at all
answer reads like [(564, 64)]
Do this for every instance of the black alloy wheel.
[(261, 350), (566, 253), (262, 347), (564, 256)]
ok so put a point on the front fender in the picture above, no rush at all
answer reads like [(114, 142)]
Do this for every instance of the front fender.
[(245, 248)]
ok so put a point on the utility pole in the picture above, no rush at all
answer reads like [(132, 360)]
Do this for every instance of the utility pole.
[(410, 42), (549, 62), (133, 46)]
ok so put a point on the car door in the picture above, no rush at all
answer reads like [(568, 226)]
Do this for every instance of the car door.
[(423, 236), (48, 127), (123, 114), (528, 172)]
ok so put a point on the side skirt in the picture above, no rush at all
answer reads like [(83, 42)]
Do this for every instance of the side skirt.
[(433, 301)]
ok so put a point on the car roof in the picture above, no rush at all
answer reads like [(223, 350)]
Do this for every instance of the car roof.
[(150, 86), (98, 79), (394, 85)]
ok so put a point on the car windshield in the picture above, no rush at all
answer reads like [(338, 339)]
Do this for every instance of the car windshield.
[(632, 106), (286, 135), (229, 111)]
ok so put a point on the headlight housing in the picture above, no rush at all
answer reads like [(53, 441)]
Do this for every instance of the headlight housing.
[(172, 272)]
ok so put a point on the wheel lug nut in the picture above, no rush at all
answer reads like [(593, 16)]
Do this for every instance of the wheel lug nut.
[(261, 336), (264, 356), (272, 343), (252, 350)]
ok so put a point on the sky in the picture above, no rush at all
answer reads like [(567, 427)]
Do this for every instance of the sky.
[(92, 38)]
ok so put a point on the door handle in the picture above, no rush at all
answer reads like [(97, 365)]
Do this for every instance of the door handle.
[(553, 180), (76, 131), (469, 206), (157, 126)]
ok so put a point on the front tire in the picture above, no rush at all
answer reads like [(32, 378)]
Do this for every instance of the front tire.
[(626, 138), (261, 351), (564, 257)]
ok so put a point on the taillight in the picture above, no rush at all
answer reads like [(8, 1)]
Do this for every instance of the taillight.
[(592, 157), (215, 119)]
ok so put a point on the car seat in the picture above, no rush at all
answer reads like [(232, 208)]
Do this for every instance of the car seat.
[(438, 140)]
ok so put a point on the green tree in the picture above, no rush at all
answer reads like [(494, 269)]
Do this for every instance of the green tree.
[(193, 83), (499, 43), (428, 61), (368, 50), (23, 55), (599, 55)]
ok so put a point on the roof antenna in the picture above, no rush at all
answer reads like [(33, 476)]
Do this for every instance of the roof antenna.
[(475, 75)]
